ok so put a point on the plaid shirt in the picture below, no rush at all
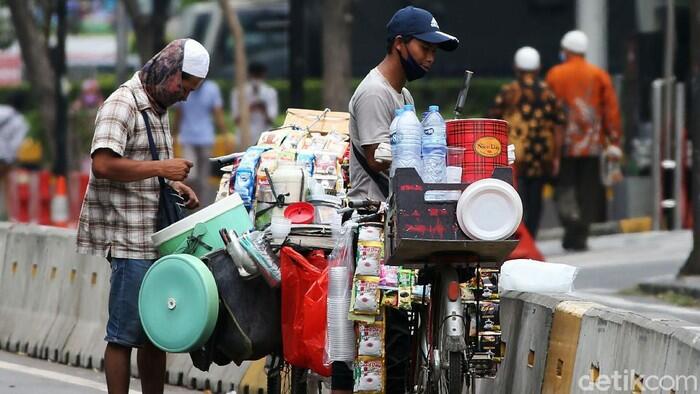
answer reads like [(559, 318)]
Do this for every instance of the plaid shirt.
[(118, 218)]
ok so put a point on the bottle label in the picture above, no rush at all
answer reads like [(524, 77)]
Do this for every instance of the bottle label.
[(428, 131), (395, 138), (487, 147)]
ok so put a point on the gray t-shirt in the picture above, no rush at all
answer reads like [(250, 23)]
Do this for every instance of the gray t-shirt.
[(371, 112)]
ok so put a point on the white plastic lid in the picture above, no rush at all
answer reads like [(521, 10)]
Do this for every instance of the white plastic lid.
[(490, 210)]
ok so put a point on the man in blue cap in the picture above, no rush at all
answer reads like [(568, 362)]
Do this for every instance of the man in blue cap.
[(413, 37)]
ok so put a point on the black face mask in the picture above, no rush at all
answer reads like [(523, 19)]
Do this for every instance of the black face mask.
[(412, 69)]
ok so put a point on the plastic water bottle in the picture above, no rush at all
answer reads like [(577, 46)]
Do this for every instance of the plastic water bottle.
[(394, 138), (434, 146), (407, 141)]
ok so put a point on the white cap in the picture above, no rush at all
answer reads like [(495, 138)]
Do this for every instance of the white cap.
[(196, 59), (527, 59), (575, 41)]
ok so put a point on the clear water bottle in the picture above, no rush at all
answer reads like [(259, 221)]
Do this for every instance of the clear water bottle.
[(434, 146), (406, 141), (394, 138)]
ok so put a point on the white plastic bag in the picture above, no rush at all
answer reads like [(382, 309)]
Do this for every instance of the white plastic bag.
[(536, 276)]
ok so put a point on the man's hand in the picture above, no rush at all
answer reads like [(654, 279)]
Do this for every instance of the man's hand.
[(191, 200), (174, 169)]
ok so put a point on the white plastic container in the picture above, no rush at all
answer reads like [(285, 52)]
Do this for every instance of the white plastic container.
[(325, 208), (288, 180)]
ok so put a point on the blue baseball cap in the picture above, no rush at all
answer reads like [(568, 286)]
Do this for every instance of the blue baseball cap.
[(419, 23)]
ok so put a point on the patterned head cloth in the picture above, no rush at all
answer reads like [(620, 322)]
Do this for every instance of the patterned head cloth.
[(162, 76)]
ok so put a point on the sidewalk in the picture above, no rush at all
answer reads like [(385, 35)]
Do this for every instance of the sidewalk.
[(614, 266)]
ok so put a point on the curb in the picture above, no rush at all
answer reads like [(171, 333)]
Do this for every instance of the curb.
[(625, 226), (678, 286)]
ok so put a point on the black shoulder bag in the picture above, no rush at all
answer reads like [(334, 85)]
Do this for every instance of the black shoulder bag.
[(379, 179), (169, 210)]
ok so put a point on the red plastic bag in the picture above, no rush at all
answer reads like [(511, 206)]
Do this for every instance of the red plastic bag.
[(304, 294), (314, 327)]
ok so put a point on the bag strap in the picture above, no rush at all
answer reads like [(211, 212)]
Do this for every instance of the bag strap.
[(380, 180), (152, 145)]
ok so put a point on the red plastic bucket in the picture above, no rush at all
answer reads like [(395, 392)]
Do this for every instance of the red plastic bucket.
[(485, 142)]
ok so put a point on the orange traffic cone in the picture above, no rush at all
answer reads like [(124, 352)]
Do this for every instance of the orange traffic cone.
[(59, 204), (526, 249)]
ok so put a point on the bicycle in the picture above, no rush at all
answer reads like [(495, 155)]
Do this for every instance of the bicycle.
[(447, 353)]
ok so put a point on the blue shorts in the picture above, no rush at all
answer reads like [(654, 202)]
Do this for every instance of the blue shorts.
[(124, 325)]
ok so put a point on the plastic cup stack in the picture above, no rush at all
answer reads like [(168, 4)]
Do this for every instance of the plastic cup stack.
[(280, 227), (336, 223), (341, 334)]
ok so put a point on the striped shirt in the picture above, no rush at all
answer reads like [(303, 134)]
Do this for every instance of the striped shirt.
[(118, 218)]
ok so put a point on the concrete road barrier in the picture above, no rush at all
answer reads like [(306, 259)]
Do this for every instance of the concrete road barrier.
[(533, 342), (17, 286), (53, 303), (563, 343), (683, 359), (85, 344), (601, 329), (45, 297)]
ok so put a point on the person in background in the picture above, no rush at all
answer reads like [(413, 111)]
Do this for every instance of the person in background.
[(592, 130), (413, 38), (262, 102), (536, 119), (194, 124), (120, 208), (13, 129), (90, 96), (82, 120)]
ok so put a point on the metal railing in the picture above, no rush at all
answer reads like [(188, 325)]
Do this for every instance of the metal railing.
[(668, 119)]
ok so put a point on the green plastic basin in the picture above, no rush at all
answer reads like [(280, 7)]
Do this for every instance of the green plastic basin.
[(178, 303)]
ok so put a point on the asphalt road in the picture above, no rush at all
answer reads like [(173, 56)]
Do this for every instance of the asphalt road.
[(24, 375)]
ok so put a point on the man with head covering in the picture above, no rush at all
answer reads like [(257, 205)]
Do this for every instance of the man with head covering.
[(535, 118), (121, 204), (592, 130)]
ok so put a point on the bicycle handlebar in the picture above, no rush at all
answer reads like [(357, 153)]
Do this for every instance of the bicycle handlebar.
[(367, 203), (223, 161)]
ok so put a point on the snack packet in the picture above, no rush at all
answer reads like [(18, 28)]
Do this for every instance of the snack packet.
[(306, 161), (407, 278), (370, 233), (369, 258), (390, 297), (272, 139), (370, 339), (365, 295), (389, 276), (369, 375)]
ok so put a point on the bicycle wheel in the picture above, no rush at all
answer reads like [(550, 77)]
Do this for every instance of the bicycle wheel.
[(454, 373), (420, 367)]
